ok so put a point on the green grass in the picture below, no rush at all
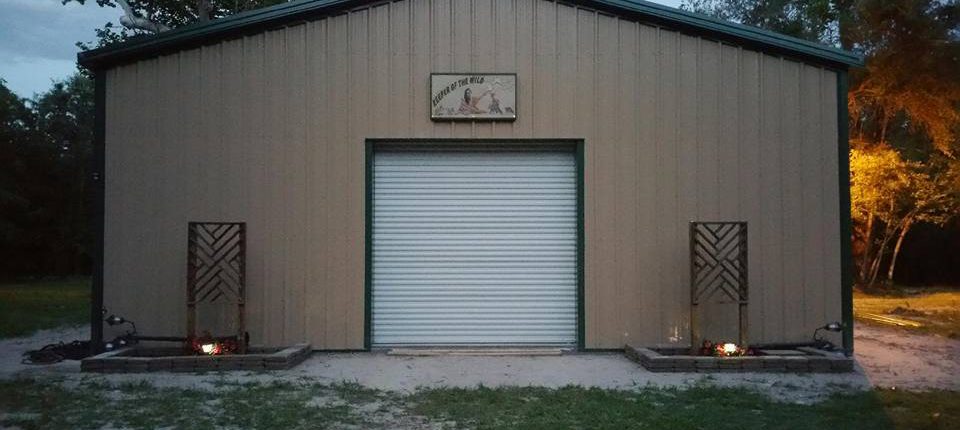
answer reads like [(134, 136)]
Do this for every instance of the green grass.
[(937, 310), (696, 408), (30, 306), (30, 404)]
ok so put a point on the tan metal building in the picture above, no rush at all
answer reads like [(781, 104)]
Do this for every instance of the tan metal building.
[(311, 122)]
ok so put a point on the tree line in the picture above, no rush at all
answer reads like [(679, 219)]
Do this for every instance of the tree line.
[(45, 150)]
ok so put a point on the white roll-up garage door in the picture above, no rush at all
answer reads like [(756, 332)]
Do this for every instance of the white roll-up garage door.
[(474, 248)]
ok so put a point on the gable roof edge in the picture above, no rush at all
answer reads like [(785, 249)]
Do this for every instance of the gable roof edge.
[(259, 20)]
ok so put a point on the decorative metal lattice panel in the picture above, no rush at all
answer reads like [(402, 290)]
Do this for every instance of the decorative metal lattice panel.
[(216, 267), (718, 254), (718, 267)]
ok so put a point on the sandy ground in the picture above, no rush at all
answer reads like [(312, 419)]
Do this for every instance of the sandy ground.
[(894, 358), (885, 358)]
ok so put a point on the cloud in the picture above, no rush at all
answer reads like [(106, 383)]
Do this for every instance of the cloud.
[(47, 29), (38, 40), (30, 77)]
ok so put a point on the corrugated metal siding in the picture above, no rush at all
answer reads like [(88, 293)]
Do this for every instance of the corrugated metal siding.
[(474, 247), (269, 129)]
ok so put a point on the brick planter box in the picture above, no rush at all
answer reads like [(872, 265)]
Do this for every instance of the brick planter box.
[(807, 360), (144, 359)]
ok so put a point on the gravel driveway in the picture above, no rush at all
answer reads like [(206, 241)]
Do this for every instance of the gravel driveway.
[(885, 357)]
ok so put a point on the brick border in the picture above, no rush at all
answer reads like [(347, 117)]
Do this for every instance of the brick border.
[(816, 361), (126, 361)]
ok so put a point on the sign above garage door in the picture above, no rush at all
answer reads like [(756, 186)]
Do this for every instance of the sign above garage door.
[(485, 96)]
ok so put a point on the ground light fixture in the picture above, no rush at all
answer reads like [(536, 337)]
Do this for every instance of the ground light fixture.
[(115, 320), (123, 340), (822, 343)]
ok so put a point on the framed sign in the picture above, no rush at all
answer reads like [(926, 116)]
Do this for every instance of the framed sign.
[(473, 96)]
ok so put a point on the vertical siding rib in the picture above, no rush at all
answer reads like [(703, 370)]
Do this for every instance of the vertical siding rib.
[(544, 67), (831, 200), (483, 45), (190, 155), (295, 134), (674, 314), (792, 201), (566, 70), (420, 68), (524, 61), (353, 226), (254, 154), (317, 230), (169, 246), (274, 168), (337, 181), (144, 186), (750, 154), (687, 140), (441, 39), (231, 176), (505, 55), (585, 111), (607, 143), (462, 55), (646, 311), (811, 169), (625, 187), (770, 196)]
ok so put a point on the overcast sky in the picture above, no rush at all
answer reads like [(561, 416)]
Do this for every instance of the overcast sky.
[(38, 39)]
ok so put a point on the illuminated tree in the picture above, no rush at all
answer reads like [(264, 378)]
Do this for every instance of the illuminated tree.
[(889, 195)]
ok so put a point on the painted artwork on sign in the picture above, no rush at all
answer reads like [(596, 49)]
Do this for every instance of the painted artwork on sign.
[(481, 96)]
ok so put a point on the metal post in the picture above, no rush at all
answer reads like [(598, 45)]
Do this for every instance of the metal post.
[(98, 183)]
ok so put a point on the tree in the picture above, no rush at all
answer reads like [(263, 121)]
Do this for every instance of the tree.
[(904, 107), (65, 118), (154, 16), (44, 147), (911, 85), (807, 19), (908, 99), (889, 195), (878, 180), (935, 197), (16, 131)]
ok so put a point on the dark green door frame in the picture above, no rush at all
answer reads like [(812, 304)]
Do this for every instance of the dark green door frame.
[(371, 145), (846, 228)]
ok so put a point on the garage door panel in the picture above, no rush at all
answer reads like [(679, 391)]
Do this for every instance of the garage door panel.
[(474, 248)]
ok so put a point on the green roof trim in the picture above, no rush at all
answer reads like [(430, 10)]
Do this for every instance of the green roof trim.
[(739, 33), (304, 10)]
